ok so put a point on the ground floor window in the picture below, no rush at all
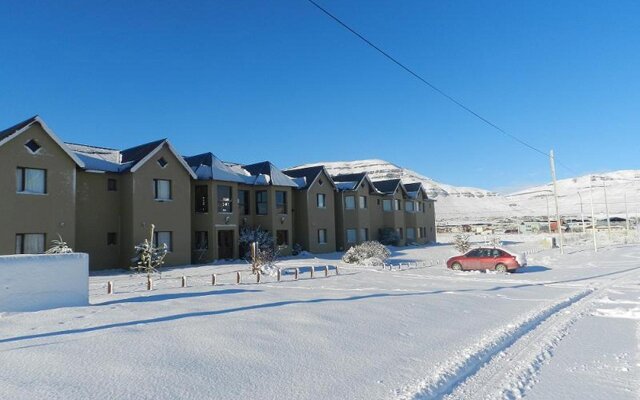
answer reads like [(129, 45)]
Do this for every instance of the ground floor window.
[(322, 236), (400, 233), (364, 234), (202, 240), (282, 237), (112, 238), (163, 237), (351, 236), (30, 243), (411, 233)]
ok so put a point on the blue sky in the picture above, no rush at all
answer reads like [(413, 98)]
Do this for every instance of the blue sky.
[(278, 80)]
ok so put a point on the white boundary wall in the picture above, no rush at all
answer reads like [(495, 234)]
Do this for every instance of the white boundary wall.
[(43, 281)]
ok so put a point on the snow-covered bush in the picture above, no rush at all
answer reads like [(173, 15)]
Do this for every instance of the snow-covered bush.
[(148, 257), (461, 243), (494, 241), (389, 237), (59, 247), (266, 253), (368, 253)]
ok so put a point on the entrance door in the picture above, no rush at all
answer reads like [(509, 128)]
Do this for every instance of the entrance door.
[(225, 244)]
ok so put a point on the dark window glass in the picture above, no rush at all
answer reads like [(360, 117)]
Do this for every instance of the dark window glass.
[(112, 238), (224, 199), (262, 203), (282, 237), (112, 185), (281, 202), (201, 199), (243, 201)]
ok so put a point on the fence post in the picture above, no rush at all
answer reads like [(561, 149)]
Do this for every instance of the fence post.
[(109, 287), (258, 277), (279, 274), (238, 277), (296, 274), (149, 283), (184, 281), (213, 279), (336, 270), (312, 272), (326, 271)]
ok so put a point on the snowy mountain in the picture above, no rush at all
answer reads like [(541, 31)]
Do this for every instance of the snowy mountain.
[(453, 202), (467, 204)]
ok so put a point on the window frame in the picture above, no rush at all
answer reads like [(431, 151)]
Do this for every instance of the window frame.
[(322, 196), (346, 203), (355, 236), (321, 239), (221, 202), (282, 207), (22, 237), (112, 185), (363, 202), (265, 201), (201, 208), (384, 205), (244, 202), (156, 235), (286, 238), (21, 183), (112, 238), (155, 190)]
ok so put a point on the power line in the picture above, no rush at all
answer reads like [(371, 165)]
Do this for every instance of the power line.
[(435, 88)]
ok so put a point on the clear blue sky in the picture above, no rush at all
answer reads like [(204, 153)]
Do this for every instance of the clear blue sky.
[(278, 80)]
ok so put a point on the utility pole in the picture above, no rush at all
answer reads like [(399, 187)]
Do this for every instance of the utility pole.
[(555, 195), (593, 216), (626, 213), (606, 207), (548, 215), (584, 230)]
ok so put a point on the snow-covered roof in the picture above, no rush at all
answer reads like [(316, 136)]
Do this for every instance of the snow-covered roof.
[(268, 174), (209, 167), (349, 185)]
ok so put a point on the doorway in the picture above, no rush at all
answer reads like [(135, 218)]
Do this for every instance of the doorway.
[(225, 244)]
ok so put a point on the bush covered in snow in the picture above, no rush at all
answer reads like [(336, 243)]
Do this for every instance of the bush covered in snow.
[(368, 253), (266, 251), (461, 243), (389, 237), (59, 247)]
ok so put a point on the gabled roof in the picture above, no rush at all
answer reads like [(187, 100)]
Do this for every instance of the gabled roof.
[(414, 188), (12, 132), (209, 167), (306, 176), (137, 153), (389, 186), (266, 173), (352, 181)]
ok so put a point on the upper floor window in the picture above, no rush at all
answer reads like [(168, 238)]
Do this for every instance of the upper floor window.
[(409, 206), (321, 200), (112, 185), (281, 202), (363, 201), (162, 162), (31, 180), (224, 199), (202, 198), (162, 189), (396, 205), (33, 146), (351, 236), (262, 202), (386, 205), (349, 202), (243, 201)]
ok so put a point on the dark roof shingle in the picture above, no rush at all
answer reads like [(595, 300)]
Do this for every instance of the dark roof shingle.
[(13, 129)]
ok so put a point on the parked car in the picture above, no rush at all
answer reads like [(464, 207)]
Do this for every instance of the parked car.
[(486, 258)]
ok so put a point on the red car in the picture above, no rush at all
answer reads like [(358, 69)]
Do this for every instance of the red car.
[(485, 258)]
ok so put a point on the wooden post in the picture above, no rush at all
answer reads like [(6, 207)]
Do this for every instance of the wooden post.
[(296, 274), (326, 271), (279, 274), (149, 283), (312, 272), (184, 281), (336, 270), (238, 277), (258, 277), (109, 287), (213, 279)]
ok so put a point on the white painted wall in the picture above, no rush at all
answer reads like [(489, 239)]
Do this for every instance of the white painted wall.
[(43, 281)]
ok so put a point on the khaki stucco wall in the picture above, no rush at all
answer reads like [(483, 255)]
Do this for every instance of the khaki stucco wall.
[(97, 213), (52, 213), (314, 218)]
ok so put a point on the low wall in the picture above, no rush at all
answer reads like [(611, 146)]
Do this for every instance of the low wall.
[(43, 281)]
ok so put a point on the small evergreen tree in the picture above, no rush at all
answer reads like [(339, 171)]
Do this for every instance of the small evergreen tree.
[(461, 243), (148, 257), (59, 247), (266, 253)]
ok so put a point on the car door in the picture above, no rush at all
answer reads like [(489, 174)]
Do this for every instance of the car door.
[(486, 259), (471, 259)]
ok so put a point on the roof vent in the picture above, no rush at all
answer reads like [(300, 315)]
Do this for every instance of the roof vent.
[(162, 162), (33, 146)]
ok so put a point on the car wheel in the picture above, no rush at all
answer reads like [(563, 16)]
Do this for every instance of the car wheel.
[(456, 266), (501, 268)]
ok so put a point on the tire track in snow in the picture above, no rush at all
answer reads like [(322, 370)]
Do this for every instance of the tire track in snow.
[(487, 368)]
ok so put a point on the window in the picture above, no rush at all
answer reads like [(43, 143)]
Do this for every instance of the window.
[(349, 202), (30, 243), (282, 238), (400, 233), (409, 206), (163, 237), (420, 206), (112, 185), (31, 180), (202, 199), (321, 200), (364, 234), (202, 240), (320, 182), (322, 236), (363, 201), (243, 201), (396, 205), (162, 162), (162, 189), (411, 234), (225, 205), (33, 146), (386, 205), (281, 202), (351, 236), (112, 238), (262, 203)]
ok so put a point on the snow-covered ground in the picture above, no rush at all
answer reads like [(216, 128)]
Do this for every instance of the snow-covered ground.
[(567, 326)]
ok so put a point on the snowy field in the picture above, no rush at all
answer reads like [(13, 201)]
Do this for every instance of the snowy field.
[(565, 327)]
